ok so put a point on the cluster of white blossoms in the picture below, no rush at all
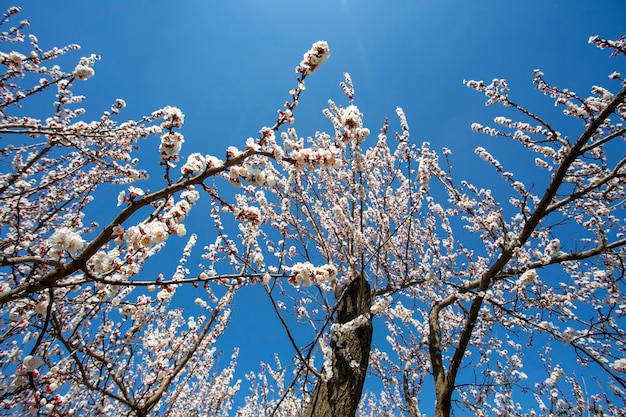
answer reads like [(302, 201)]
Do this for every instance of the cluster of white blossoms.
[(13, 58), (496, 92), (527, 278), (314, 57), (568, 335), (133, 192), (175, 215), (171, 144), (146, 234), (251, 214), (619, 365), (252, 175), (326, 156), (198, 163), (348, 122), (29, 368), (352, 118), (316, 158), (174, 117), (104, 261), (477, 127), (555, 375), (381, 304), (305, 273), (84, 70), (157, 231), (65, 239)]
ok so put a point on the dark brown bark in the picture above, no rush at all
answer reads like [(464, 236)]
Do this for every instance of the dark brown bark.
[(339, 396), (442, 389), (443, 405)]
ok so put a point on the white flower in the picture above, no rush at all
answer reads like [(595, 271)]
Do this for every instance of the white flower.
[(195, 163), (258, 259), (134, 192), (527, 278), (32, 362), (64, 239), (554, 377), (159, 232), (251, 214), (148, 234), (380, 305), (190, 195), (180, 230), (232, 152), (151, 340), (352, 118), (337, 210), (302, 272), (619, 365), (306, 274), (171, 144), (502, 120), (165, 295), (541, 163), (83, 72), (568, 336), (174, 117), (41, 307), (103, 262), (251, 144), (118, 230), (128, 310), (16, 57), (121, 198), (316, 56), (545, 326)]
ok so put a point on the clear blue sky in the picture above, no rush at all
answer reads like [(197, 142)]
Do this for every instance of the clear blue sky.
[(229, 65)]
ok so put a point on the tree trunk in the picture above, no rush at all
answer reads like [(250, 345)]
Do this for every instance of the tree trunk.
[(339, 396), (443, 406)]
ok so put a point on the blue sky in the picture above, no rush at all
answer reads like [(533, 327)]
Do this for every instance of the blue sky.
[(229, 65)]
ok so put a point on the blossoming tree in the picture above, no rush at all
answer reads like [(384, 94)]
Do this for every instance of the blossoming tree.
[(498, 302)]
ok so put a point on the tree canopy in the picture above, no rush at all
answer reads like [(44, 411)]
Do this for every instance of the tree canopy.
[(492, 301)]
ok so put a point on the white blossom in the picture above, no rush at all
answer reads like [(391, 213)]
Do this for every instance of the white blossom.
[(527, 278), (65, 239), (83, 72), (619, 365), (316, 56)]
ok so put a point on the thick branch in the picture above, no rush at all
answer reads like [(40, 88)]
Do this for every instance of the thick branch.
[(444, 396), (106, 234)]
